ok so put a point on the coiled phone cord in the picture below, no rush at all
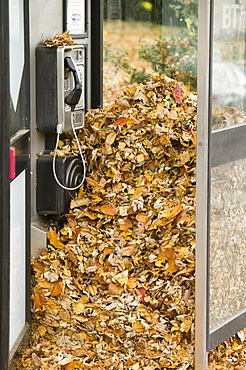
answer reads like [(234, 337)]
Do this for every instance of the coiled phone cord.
[(59, 131)]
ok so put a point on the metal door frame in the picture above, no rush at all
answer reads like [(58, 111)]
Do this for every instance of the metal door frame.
[(22, 164), (207, 142), (4, 184), (96, 40)]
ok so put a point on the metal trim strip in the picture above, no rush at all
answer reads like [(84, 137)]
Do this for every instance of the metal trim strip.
[(225, 141), (227, 328), (202, 184)]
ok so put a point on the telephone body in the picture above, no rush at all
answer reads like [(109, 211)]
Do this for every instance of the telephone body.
[(60, 87)]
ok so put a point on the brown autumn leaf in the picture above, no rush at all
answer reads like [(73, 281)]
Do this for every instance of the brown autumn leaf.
[(57, 289), (128, 251), (72, 222), (72, 255), (170, 256), (88, 214), (125, 223), (172, 114), (92, 182), (121, 121), (39, 300), (108, 209), (38, 266), (142, 217), (114, 289)]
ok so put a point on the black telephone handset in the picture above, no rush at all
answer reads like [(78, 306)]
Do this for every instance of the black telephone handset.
[(73, 98)]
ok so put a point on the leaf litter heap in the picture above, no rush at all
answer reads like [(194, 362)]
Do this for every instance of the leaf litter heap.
[(114, 288)]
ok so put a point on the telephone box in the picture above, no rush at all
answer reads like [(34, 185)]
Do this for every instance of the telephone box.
[(46, 92)]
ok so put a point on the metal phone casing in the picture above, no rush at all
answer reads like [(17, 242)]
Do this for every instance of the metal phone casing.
[(54, 82)]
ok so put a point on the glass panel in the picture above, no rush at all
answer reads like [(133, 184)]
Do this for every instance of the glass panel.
[(146, 37), (19, 102), (227, 242), (228, 83), (17, 258)]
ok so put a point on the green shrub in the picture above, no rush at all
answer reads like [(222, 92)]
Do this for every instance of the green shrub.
[(176, 55)]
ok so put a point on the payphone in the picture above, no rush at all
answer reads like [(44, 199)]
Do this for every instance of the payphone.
[(60, 97), (60, 107)]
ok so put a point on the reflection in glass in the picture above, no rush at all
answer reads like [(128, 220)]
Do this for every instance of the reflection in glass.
[(227, 241), (19, 73), (146, 37), (228, 82)]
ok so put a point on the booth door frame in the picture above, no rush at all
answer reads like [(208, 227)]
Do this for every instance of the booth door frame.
[(22, 144), (212, 151), (4, 185)]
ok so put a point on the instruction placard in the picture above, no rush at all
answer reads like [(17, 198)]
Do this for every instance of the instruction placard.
[(76, 17)]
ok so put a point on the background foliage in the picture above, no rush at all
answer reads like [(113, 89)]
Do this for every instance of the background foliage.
[(175, 54)]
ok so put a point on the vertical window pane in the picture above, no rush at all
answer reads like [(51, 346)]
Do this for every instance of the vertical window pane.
[(228, 83), (227, 243), (142, 38)]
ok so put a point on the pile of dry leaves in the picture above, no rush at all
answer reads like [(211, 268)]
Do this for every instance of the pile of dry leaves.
[(115, 287), (60, 39)]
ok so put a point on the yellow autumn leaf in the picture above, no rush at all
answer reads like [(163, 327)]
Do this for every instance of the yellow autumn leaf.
[(122, 277), (170, 215), (158, 263), (185, 325), (83, 335), (137, 192), (138, 326), (121, 145), (148, 6), (235, 345), (53, 237), (140, 158), (175, 327), (111, 138), (52, 305), (132, 283), (84, 299), (78, 307), (41, 329), (45, 284), (75, 364)]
